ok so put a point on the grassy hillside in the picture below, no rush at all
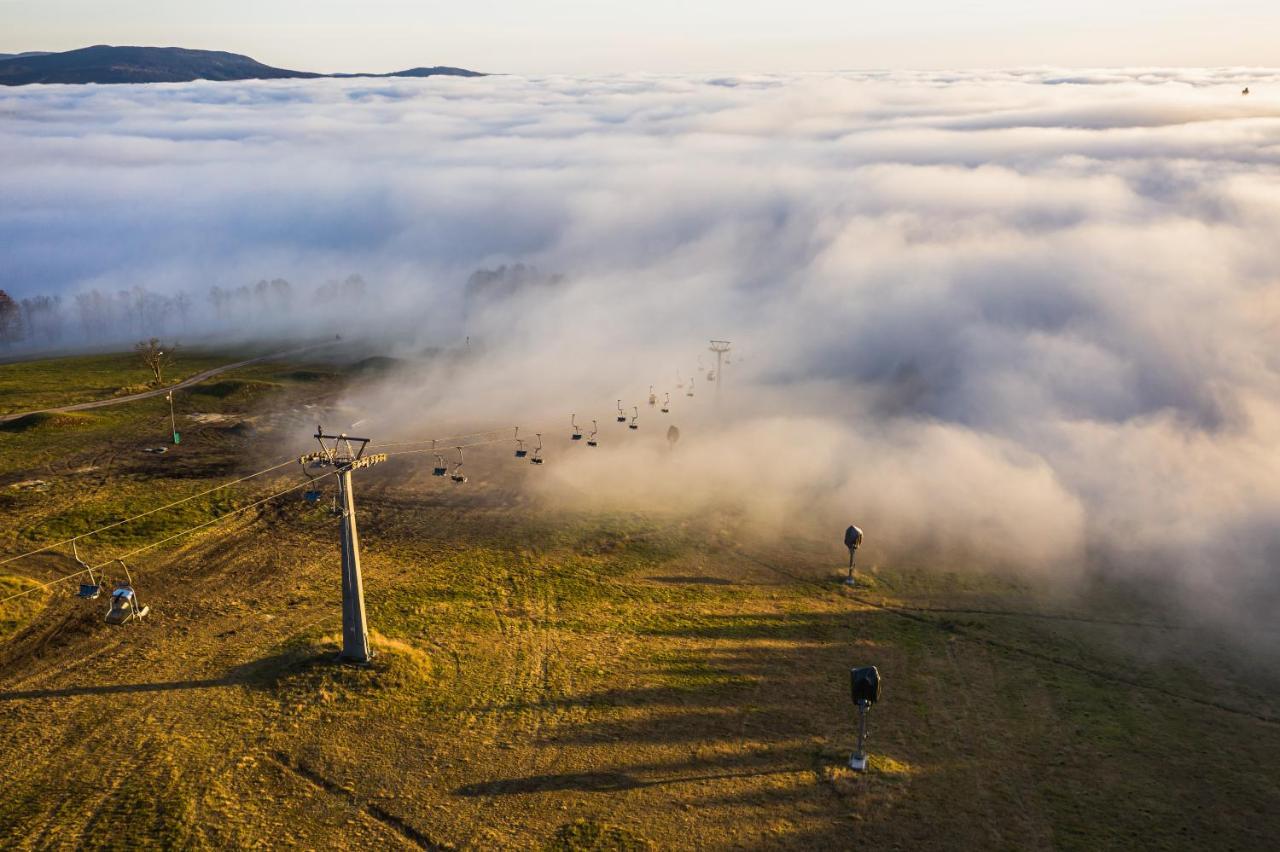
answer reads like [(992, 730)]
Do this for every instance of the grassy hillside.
[(573, 681)]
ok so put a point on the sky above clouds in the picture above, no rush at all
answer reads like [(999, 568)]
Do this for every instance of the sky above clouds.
[(575, 36), (1029, 315)]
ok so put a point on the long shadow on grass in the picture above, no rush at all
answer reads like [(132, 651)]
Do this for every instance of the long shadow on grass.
[(599, 782), (260, 674)]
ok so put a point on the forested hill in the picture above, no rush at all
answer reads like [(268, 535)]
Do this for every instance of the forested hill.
[(109, 64)]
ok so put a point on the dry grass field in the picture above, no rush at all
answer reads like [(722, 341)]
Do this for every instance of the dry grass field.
[(548, 679)]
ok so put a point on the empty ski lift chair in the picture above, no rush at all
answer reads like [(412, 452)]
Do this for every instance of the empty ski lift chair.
[(591, 439), (633, 424), (653, 397), (125, 605), (521, 452), (622, 416), (92, 589), (537, 451), (312, 494), (666, 404), (577, 433), (457, 475)]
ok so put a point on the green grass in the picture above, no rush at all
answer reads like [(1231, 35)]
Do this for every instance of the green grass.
[(34, 385), (16, 614), (48, 422)]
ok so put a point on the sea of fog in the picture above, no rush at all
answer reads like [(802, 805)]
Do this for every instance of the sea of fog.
[(1022, 318)]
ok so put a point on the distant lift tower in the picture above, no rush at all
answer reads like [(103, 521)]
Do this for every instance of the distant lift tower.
[(719, 347), (344, 456)]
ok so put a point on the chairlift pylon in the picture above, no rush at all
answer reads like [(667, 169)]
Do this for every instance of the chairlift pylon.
[(591, 439), (536, 458), (577, 433), (521, 452), (457, 475), (622, 417), (125, 605)]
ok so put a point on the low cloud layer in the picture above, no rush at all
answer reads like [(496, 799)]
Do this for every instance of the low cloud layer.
[(1026, 317)]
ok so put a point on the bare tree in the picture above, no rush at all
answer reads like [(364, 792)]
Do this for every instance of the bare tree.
[(10, 320), (156, 356)]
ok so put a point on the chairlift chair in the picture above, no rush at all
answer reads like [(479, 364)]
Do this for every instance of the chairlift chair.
[(622, 417), (521, 452), (90, 590), (689, 392), (666, 404), (653, 397), (311, 495), (633, 424), (591, 439), (440, 469), (125, 605), (679, 380), (577, 433), (457, 475), (711, 375), (537, 451)]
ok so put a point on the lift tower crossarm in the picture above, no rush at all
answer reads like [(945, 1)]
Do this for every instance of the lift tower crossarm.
[(346, 454)]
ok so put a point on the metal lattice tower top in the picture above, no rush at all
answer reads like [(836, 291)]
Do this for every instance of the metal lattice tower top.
[(342, 453), (719, 347)]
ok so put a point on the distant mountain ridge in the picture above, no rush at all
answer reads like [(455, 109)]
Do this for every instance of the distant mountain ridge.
[(104, 63)]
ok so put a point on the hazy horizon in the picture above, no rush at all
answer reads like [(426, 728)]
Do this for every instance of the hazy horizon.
[(558, 36)]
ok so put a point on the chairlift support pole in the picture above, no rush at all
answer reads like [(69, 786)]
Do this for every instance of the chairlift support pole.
[(719, 347), (346, 458)]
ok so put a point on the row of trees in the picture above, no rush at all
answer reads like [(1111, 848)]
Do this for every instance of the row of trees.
[(97, 316)]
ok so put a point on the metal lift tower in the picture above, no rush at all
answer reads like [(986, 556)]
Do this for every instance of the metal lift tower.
[(344, 456), (719, 347)]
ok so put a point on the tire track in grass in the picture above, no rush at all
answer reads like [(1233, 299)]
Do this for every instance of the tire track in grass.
[(370, 809)]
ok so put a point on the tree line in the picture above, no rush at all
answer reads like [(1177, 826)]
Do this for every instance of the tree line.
[(97, 316)]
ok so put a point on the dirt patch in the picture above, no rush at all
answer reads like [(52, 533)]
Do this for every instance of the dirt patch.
[(31, 485), (210, 417)]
